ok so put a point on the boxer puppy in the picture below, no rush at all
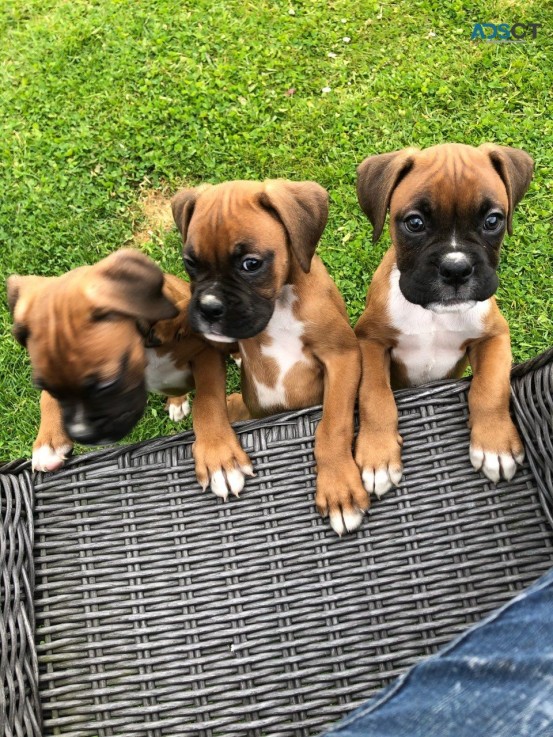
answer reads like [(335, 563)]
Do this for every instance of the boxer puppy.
[(430, 308), (249, 250), (99, 338)]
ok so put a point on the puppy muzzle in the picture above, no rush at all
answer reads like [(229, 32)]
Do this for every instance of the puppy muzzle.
[(225, 314), (97, 420), (449, 280)]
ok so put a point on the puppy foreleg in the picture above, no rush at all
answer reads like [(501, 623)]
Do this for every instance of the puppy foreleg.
[(220, 460), (378, 447), (495, 445), (340, 493), (52, 444)]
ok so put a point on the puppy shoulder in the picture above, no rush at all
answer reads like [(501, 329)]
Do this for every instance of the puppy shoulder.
[(494, 322), (319, 299), (374, 323)]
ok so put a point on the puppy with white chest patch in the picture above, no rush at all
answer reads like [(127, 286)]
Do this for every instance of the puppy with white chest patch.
[(99, 338), (249, 248), (430, 307)]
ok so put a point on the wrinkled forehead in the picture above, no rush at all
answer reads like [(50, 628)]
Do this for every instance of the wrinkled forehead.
[(229, 215), (451, 181), (65, 342)]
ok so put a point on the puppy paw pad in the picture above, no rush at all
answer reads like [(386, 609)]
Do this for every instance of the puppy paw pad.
[(495, 465), (381, 480), (224, 481), (178, 412), (219, 485), (347, 520), (47, 458), (236, 480)]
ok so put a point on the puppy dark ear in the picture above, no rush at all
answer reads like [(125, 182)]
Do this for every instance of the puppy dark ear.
[(377, 177), (182, 205), (302, 208), (516, 168), (130, 284), (13, 287), (16, 287)]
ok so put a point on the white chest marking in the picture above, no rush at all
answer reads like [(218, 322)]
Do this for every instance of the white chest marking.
[(162, 374), (286, 348), (429, 343)]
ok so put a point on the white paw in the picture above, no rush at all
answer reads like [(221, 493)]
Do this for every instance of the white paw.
[(178, 412), (495, 465), (224, 481), (237, 358), (46, 458), (381, 480), (345, 521)]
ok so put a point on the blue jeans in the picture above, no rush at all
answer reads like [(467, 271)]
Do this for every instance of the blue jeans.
[(495, 680)]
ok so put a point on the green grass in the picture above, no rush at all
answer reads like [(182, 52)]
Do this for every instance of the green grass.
[(102, 98)]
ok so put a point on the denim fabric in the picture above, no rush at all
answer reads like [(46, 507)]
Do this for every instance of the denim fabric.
[(495, 680)]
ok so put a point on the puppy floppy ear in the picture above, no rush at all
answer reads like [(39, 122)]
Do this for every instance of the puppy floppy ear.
[(14, 285), (182, 206), (17, 287), (516, 168), (377, 177), (131, 284), (302, 208)]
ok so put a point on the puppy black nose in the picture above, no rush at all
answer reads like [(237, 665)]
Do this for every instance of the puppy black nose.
[(81, 433), (455, 268), (211, 306)]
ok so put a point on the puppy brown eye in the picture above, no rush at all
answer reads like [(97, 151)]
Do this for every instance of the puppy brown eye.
[(493, 221), (250, 264), (414, 223), (21, 334), (104, 316), (190, 263), (106, 386)]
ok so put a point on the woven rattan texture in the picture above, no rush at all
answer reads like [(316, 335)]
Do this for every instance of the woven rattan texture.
[(533, 407), (19, 698), (163, 611)]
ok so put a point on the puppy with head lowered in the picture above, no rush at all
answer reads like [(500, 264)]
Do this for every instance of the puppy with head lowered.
[(430, 307), (249, 248), (99, 338)]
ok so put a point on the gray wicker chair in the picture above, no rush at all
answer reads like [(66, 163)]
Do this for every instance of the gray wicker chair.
[(133, 604)]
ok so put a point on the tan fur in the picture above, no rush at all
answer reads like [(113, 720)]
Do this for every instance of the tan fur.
[(65, 344), (211, 222), (320, 309), (390, 181)]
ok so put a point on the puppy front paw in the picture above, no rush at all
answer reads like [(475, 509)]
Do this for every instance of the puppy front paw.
[(341, 496), (50, 457), (178, 407), (378, 456), (496, 449), (222, 465)]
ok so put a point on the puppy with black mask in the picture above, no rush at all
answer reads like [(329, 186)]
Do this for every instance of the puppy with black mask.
[(430, 307), (249, 248), (99, 338)]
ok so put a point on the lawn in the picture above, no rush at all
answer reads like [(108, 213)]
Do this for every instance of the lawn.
[(107, 101)]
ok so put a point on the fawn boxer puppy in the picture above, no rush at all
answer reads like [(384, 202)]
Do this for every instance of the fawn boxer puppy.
[(430, 307), (99, 338), (249, 250)]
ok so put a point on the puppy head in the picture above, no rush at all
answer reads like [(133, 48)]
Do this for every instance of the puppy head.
[(241, 241), (450, 206), (84, 335)]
